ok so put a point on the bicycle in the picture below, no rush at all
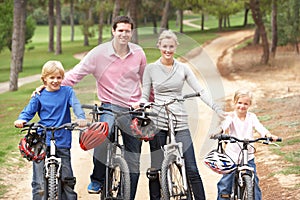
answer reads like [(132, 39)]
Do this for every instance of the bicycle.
[(173, 178), (36, 133), (117, 180), (243, 186)]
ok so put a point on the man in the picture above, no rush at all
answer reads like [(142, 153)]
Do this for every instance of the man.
[(118, 67)]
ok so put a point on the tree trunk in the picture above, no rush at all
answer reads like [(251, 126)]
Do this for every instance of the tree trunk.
[(101, 23), (58, 28), (154, 22), (117, 7), (257, 17), (72, 19), (296, 25), (164, 19), (18, 42), (274, 28), (22, 37), (256, 36), (51, 25), (202, 20), (133, 6), (220, 23), (181, 20), (246, 17)]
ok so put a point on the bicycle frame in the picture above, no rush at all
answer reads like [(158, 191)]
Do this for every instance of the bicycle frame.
[(53, 164), (176, 148), (173, 185), (117, 178)]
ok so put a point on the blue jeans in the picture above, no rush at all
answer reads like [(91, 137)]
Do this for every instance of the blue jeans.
[(226, 183), (157, 157), (132, 148), (37, 184)]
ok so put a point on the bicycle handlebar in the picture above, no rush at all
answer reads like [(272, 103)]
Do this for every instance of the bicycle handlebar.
[(139, 112), (234, 139), (35, 126)]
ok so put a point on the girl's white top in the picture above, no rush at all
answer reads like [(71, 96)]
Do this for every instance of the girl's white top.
[(242, 129)]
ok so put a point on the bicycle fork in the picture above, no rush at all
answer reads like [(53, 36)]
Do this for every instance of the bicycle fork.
[(52, 160)]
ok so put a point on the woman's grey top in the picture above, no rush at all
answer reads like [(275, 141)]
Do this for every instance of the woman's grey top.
[(168, 84)]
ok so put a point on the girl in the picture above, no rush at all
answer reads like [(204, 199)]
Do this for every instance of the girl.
[(240, 124)]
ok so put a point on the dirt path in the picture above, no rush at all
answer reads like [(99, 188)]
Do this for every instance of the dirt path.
[(203, 62)]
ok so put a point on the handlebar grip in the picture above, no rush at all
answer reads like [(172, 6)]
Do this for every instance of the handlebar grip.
[(87, 106), (197, 94), (151, 114), (279, 140)]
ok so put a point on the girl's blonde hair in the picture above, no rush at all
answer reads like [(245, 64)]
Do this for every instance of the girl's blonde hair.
[(167, 34), (242, 93), (50, 67)]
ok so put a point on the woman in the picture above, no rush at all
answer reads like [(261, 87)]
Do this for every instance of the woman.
[(167, 76)]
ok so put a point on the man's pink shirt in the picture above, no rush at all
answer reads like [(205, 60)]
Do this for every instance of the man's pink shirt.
[(118, 80)]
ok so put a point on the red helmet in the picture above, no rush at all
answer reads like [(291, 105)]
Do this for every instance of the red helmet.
[(143, 129), (93, 136), (32, 147)]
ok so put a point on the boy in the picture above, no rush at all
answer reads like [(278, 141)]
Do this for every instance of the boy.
[(53, 109)]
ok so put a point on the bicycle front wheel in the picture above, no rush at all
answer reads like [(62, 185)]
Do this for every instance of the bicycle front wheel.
[(246, 191), (118, 181), (172, 184), (53, 183)]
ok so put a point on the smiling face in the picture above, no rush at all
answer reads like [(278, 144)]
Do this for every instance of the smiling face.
[(167, 48), (53, 81), (52, 75), (122, 33), (242, 105)]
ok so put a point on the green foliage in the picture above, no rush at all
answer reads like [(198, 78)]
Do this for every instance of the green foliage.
[(6, 25), (288, 23), (6, 21)]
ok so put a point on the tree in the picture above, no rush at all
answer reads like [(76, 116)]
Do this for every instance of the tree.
[(58, 49), (164, 19), (51, 25), (133, 5), (72, 19), (274, 28), (257, 17), (18, 42), (117, 7)]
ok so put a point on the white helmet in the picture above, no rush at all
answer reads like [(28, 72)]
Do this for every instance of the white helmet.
[(219, 162)]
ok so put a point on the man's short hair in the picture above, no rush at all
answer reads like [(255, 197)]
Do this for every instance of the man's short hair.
[(122, 19)]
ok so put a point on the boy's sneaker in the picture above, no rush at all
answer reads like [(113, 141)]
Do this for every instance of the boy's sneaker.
[(94, 188)]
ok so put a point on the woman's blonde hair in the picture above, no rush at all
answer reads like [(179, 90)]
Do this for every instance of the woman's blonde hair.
[(50, 67), (167, 34), (242, 93)]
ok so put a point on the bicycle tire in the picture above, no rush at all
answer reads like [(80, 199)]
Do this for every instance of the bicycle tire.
[(246, 192), (52, 183), (171, 177), (118, 181), (247, 189)]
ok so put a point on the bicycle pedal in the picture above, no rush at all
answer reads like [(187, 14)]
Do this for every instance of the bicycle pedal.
[(152, 173), (70, 181)]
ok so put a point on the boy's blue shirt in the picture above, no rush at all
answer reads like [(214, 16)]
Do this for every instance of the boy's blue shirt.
[(53, 109)]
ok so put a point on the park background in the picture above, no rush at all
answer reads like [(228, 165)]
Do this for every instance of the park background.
[(279, 109)]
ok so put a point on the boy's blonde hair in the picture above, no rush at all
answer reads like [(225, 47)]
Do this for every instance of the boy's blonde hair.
[(242, 93), (50, 67), (167, 34)]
